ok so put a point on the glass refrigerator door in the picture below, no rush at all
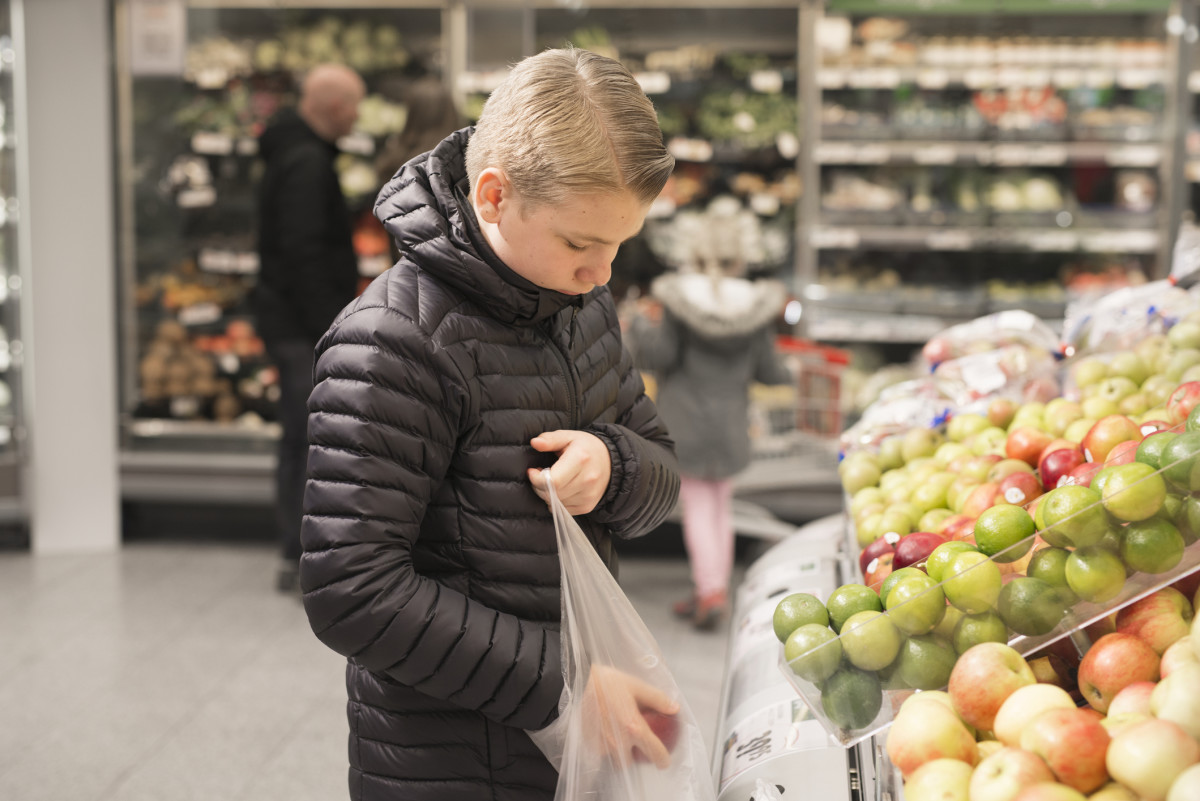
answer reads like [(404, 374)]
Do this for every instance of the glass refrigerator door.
[(12, 509), (197, 82), (984, 155)]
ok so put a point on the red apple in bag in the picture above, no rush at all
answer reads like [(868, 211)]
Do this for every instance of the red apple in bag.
[(665, 728)]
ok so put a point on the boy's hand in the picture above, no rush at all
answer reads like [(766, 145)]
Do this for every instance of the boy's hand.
[(580, 475), (614, 701)]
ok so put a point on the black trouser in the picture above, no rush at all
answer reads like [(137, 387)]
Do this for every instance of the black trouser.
[(294, 360)]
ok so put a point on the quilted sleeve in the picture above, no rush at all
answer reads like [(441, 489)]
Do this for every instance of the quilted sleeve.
[(645, 472), (384, 417)]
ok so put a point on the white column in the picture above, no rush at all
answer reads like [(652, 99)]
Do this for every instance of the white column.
[(69, 297)]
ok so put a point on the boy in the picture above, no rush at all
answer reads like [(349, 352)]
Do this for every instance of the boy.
[(490, 350)]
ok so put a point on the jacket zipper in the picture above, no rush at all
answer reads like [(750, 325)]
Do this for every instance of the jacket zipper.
[(565, 364)]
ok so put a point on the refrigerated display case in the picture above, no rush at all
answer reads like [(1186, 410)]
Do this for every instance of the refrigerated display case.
[(979, 155), (13, 265), (196, 83)]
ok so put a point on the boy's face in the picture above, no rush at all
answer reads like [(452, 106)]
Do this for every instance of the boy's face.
[(567, 247)]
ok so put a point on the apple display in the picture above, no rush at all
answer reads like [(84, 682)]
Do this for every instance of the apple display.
[(924, 732), (939, 780), (1113, 662), (1050, 791), (1148, 756), (1024, 705), (1004, 774), (1177, 699), (1132, 699), (1179, 653), (1186, 786), (1159, 619), (1073, 745), (984, 676)]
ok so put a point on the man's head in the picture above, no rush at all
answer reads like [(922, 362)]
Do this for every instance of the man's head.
[(329, 99), (564, 163)]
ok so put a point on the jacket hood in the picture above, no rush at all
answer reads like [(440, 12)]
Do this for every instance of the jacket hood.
[(720, 307), (287, 129), (425, 208)]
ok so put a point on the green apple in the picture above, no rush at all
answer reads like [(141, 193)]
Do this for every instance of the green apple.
[(1130, 365), (870, 640), (1184, 334), (990, 440), (962, 426), (796, 610), (974, 629), (860, 474), (925, 662), (1078, 429), (1050, 565), (1180, 362), (1073, 516), (1097, 408), (1095, 574), (813, 652), (919, 442), (947, 452), (1030, 606), (1115, 388), (941, 557), (1151, 546), (849, 599), (890, 453), (1181, 461), (942, 779), (1059, 414), (972, 582), (1133, 491), (1089, 370), (1157, 388), (915, 604), (851, 698), (933, 519)]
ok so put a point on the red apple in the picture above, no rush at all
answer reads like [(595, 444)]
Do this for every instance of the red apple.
[(1158, 619), (1189, 585), (1106, 434), (1004, 774), (1026, 443), (959, 527), (1024, 706), (885, 544), (1000, 412), (1182, 401), (1123, 452), (981, 499), (1057, 445), (1056, 464), (1132, 699), (1073, 744), (1020, 488), (914, 548), (1147, 756), (983, 678), (665, 728), (926, 731), (1113, 662), (1083, 474), (1153, 427), (879, 568)]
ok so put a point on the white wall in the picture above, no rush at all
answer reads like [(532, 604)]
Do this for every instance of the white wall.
[(69, 302)]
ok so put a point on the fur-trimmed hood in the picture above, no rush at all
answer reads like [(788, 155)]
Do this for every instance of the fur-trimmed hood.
[(720, 307)]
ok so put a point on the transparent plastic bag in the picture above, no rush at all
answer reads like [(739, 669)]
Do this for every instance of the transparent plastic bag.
[(1121, 319), (1005, 328), (602, 632)]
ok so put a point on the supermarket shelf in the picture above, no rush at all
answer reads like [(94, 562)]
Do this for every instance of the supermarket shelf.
[(1039, 240), (234, 478), (998, 154), (912, 329), (988, 77)]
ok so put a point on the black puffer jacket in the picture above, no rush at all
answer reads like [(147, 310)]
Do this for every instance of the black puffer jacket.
[(429, 561)]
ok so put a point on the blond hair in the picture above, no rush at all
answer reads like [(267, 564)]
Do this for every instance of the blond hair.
[(568, 122)]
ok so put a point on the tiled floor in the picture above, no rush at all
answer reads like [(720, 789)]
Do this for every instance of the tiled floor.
[(173, 671)]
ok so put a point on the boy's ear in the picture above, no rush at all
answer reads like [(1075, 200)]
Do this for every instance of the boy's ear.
[(493, 193)]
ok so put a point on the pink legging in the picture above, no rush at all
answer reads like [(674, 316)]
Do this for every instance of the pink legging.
[(708, 531)]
